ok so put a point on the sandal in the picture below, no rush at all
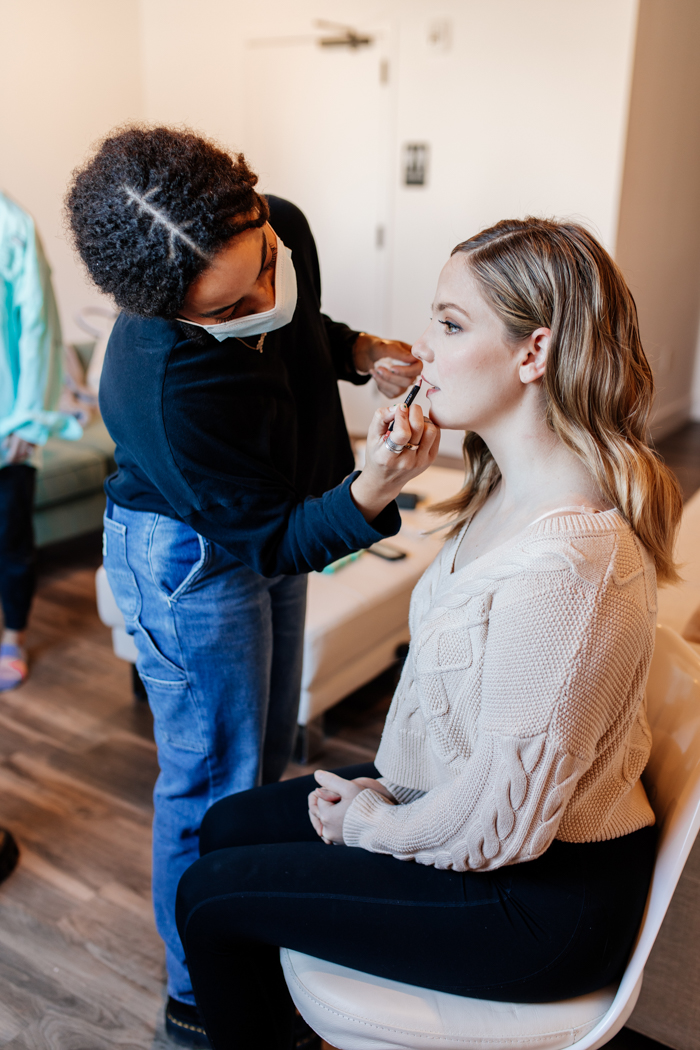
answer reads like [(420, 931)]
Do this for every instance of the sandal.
[(13, 666)]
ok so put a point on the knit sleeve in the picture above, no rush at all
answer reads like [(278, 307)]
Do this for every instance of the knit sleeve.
[(505, 807), (561, 666)]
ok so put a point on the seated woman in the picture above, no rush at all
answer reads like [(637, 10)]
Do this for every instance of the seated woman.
[(518, 730)]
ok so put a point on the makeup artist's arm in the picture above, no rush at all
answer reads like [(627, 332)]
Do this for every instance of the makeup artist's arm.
[(218, 468), (357, 356)]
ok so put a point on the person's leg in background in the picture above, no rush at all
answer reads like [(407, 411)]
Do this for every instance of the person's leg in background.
[(17, 568), (205, 629)]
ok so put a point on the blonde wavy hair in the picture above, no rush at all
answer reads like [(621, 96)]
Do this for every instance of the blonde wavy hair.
[(541, 273)]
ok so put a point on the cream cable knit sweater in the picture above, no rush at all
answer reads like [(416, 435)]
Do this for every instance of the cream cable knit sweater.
[(520, 715)]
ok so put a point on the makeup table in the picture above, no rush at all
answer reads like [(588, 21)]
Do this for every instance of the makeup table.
[(357, 617)]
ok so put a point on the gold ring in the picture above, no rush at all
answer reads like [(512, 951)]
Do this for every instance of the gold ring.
[(412, 448)]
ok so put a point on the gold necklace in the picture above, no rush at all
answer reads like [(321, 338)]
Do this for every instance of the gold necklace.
[(258, 345)]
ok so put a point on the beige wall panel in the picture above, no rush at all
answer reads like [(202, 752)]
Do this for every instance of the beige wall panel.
[(69, 72)]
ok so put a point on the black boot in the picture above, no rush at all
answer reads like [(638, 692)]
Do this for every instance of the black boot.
[(184, 1025), (9, 854)]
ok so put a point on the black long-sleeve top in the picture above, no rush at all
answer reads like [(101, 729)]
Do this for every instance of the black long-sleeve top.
[(247, 448)]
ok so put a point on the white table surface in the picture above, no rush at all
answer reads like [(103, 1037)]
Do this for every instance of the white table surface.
[(358, 615)]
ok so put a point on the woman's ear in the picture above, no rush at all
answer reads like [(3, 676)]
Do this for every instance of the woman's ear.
[(533, 355)]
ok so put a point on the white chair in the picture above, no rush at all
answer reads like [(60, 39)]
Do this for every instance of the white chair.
[(357, 1011)]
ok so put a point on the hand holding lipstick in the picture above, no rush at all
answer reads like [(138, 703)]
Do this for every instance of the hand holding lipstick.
[(412, 395), (385, 472)]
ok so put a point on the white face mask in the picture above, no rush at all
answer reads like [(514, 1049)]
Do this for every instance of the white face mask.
[(269, 321)]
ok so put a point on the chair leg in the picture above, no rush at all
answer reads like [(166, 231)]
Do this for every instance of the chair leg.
[(310, 741), (400, 656), (139, 689)]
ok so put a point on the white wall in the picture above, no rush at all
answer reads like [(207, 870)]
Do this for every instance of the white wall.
[(525, 112), (659, 236), (194, 64), (70, 70)]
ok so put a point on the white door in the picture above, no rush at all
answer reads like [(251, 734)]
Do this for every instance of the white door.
[(320, 135)]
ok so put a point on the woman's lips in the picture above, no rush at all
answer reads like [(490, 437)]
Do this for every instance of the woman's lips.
[(431, 389)]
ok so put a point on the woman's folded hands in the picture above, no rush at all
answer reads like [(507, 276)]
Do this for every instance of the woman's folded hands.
[(329, 802)]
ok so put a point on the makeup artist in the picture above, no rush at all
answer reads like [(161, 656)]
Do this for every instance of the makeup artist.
[(220, 390)]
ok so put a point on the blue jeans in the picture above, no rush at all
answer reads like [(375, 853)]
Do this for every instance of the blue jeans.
[(220, 653)]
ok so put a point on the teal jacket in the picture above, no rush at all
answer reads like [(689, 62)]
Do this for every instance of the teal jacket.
[(30, 335)]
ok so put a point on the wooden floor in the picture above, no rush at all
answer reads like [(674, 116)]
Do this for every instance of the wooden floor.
[(81, 966)]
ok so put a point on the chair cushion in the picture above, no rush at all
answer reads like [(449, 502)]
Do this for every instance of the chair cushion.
[(74, 469), (356, 1011), (65, 521), (69, 470)]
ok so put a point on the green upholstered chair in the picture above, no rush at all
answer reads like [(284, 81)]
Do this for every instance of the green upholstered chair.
[(69, 497)]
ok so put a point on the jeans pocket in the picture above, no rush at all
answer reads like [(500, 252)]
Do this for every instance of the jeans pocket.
[(176, 556), (175, 714), (154, 664), (124, 583), (122, 580)]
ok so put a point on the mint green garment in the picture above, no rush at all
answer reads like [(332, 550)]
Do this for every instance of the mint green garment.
[(30, 335)]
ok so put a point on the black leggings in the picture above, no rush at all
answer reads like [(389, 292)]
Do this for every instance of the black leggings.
[(17, 558), (556, 927)]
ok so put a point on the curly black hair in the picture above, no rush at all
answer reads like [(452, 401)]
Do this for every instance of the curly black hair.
[(150, 210)]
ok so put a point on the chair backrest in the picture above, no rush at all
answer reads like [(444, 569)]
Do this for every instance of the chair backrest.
[(672, 783), (672, 775)]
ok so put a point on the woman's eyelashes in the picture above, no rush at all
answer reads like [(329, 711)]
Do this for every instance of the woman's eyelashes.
[(230, 316), (272, 262), (450, 327), (268, 266)]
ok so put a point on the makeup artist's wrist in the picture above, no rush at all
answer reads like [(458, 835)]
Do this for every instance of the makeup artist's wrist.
[(371, 498), (361, 358)]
